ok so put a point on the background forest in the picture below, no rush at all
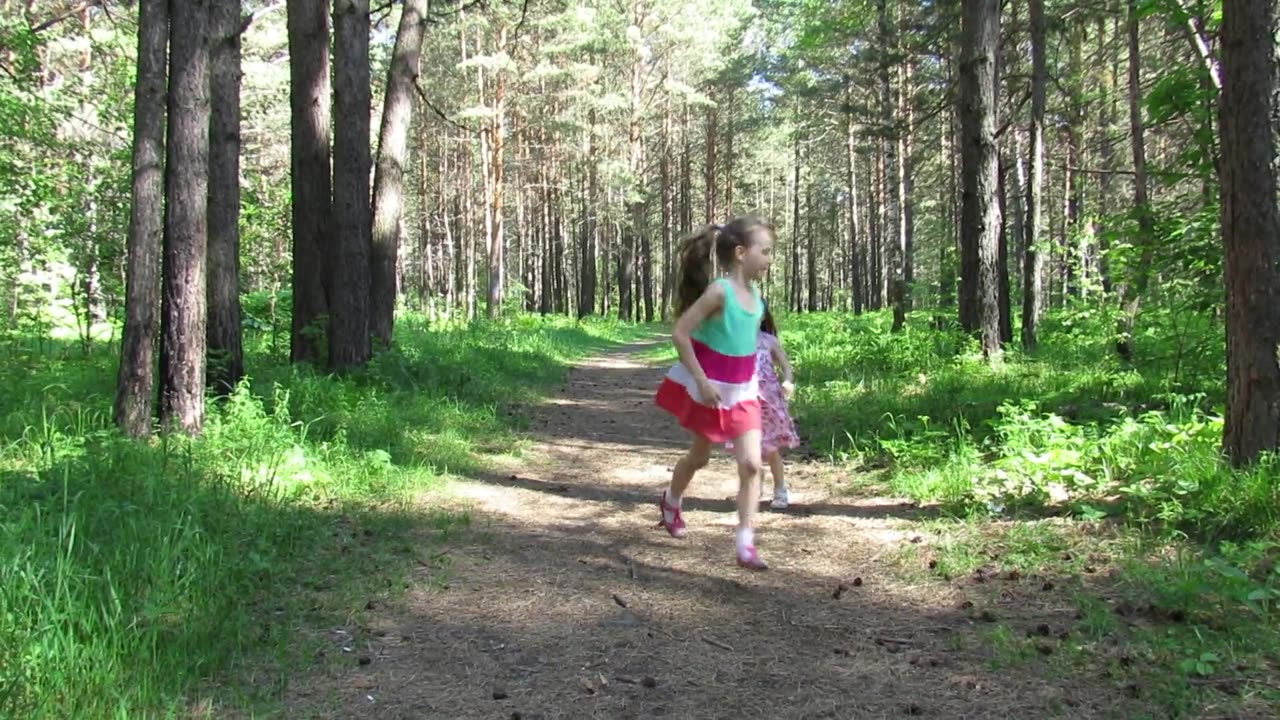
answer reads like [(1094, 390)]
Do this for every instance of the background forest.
[(267, 267)]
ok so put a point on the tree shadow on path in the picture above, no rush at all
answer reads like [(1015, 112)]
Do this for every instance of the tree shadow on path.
[(565, 601)]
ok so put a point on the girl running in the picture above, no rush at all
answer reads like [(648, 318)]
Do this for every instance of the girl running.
[(777, 429), (712, 390)]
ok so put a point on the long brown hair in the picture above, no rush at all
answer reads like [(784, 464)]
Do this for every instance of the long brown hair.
[(696, 251), (767, 325)]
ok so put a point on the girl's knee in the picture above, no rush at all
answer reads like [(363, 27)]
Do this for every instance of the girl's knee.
[(750, 466), (698, 458)]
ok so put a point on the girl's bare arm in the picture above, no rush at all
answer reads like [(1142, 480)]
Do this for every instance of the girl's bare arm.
[(711, 302), (780, 359)]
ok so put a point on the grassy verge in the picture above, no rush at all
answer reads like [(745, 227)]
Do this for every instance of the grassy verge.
[(1076, 485), (138, 578)]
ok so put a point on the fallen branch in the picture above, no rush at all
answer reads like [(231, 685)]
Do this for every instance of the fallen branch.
[(716, 643), (894, 641)]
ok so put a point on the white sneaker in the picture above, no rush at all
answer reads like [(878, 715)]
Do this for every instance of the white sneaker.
[(780, 499)]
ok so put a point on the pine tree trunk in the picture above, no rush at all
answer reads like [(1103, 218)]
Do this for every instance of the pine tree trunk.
[(546, 280), (467, 225), (908, 184), (426, 234), (1032, 263), (183, 313), (646, 272), (494, 215), (634, 203), (1250, 125), (811, 248), (561, 276), (467, 233), (1133, 289), (308, 25), (448, 245), (729, 159), (885, 232), (1006, 320), (1107, 156), (135, 383), (890, 141), (349, 342), (1073, 237), (710, 169), (668, 200), (226, 356), (946, 248), (686, 175), (980, 226), (795, 234), (388, 181), (587, 288), (1018, 196), (851, 165)]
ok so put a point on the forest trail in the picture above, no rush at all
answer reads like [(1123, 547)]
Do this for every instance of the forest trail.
[(564, 600)]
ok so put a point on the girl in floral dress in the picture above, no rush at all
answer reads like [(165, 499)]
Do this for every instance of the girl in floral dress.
[(778, 430)]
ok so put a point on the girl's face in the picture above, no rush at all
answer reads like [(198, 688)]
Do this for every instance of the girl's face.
[(755, 255)]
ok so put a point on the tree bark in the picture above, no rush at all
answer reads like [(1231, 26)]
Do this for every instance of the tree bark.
[(947, 248), (811, 248), (1002, 262), (634, 200), (981, 212), (349, 343), (1250, 126), (895, 231), (729, 159), (308, 27), (1032, 263), (494, 215), (795, 233), (591, 227), (186, 233), (879, 232), (710, 170), (1073, 237), (851, 170), (135, 384), (1132, 291), (667, 200), (908, 185), (1107, 156), (686, 175), (226, 354), (426, 232), (388, 180)]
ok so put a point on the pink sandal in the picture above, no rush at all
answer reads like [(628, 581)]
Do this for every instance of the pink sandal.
[(675, 526), (749, 558)]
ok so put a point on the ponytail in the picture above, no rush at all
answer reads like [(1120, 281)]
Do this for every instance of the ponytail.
[(695, 268)]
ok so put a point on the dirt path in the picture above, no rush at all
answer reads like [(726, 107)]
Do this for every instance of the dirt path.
[(566, 601)]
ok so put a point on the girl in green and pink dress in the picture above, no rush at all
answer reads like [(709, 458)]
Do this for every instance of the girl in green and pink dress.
[(713, 390)]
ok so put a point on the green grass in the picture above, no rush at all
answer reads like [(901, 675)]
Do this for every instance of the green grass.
[(1071, 426), (1070, 464), (138, 579)]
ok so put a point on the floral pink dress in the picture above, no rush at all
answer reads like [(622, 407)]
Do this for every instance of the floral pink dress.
[(778, 430)]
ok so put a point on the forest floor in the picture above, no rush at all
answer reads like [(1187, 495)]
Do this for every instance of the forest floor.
[(563, 599)]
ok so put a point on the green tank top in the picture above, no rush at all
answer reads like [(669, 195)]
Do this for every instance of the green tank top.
[(734, 330)]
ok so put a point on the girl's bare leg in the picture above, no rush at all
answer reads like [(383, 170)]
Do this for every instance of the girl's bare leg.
[(746, 450), (670, 503), (682, 474), (777, 469)]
